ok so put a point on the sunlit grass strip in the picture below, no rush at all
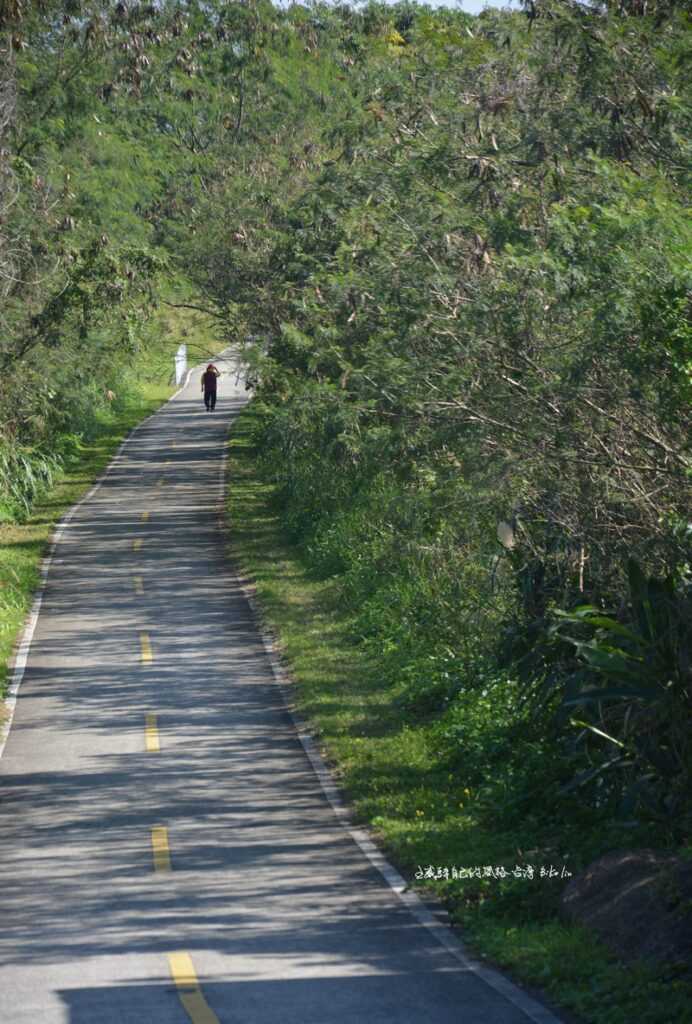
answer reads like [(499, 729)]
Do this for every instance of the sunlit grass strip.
[(23, 545)]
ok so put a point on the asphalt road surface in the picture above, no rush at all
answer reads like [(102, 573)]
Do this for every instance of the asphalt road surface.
[(167, 852)]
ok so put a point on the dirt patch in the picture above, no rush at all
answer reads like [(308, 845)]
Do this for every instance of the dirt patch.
[(639, 902)]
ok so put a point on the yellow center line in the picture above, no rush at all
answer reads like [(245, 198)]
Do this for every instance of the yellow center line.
[(160, 848), (136, 544), (189, 992), (145, 516), (145, 643), (138, 584), (151, 734)]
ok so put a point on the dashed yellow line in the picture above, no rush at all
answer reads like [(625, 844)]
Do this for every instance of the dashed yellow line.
[(151, 734), (145, 516), (189, 992), (145, 644), (138, 584), (136, 544), (160, 849)]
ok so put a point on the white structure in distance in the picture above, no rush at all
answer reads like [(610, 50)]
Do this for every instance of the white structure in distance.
[(180, 364)]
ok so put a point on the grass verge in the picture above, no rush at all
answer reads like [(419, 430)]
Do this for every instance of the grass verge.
[(146, 384), (23, 545), (384, 756)]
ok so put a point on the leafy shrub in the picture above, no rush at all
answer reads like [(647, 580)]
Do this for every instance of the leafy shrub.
[(25, 473), (631, 696)]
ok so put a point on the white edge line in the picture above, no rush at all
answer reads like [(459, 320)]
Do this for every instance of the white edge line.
[(22, 653), (533, 1010)]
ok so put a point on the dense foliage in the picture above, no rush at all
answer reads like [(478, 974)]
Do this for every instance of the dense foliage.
[(457, 252), (466, 272)]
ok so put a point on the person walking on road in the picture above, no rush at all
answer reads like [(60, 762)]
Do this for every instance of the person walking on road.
[(209, 386)]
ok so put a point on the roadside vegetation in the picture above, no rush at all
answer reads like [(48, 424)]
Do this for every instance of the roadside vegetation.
[(24, 542), (483, 807), (455, 251), (25, 536)]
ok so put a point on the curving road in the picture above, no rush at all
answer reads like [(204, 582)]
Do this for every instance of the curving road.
[(167, 852)]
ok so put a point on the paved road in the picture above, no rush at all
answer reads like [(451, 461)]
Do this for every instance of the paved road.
[(167, 853)]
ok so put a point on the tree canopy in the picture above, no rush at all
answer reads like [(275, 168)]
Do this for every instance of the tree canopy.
[(456, 253)]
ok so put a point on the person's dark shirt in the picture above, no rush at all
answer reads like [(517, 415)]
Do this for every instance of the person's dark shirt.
[(209, 380)]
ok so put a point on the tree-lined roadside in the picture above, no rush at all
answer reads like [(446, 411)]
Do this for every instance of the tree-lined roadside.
[(23, 543), (454, 252), (466, 300), (386, 756)]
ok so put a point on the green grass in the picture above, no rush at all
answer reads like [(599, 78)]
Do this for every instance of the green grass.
[(23, 545), (145, 386), (385, 757)]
